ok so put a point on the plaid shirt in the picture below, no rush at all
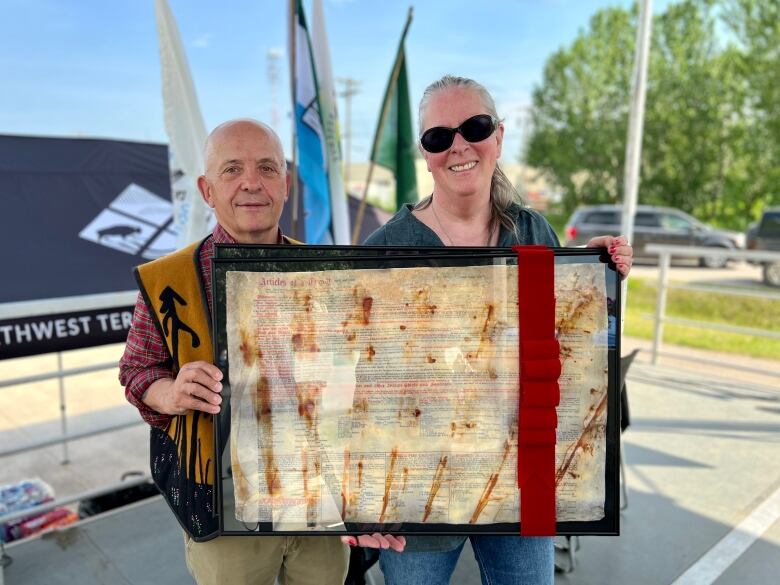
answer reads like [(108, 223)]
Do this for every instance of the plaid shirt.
[(146, 358)]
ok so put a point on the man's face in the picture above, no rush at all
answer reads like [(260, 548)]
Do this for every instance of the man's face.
[(246, 182)]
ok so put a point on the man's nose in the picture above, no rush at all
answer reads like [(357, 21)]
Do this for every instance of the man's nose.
[(252, 180)]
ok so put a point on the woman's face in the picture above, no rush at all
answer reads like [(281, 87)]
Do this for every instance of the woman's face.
[(466, 168)]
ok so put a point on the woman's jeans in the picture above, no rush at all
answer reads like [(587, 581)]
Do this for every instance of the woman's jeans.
[(502, 560)]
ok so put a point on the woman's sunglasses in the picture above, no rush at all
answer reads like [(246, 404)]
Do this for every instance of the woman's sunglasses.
[(475, 129)]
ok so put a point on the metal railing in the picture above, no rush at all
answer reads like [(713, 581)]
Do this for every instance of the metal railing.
[(665, 254), (55, 306), (60, 374)]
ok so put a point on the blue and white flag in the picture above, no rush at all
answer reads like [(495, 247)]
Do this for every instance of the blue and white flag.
[(312, 145), (312, 164)]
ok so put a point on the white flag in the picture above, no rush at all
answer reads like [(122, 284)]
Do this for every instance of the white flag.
[(192, 218), (329, 115)]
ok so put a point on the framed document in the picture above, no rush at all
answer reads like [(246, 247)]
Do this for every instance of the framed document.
[(377, 389)]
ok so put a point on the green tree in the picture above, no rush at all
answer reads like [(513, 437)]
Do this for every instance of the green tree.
[(755, 25), (687, 114), (580, 111), (712, 117)]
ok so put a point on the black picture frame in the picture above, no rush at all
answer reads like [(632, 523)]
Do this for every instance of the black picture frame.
[(283, 258)]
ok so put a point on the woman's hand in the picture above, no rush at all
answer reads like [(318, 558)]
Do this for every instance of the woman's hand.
[(618, 247), (376, 540)]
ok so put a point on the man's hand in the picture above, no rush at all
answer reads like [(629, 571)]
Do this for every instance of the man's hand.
[(620, 250), (197, 387), (376, 540)]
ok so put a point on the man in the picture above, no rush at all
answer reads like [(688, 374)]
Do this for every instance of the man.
[(168, 374)]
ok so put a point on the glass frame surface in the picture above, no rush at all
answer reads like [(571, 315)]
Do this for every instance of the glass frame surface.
[(315, 258)]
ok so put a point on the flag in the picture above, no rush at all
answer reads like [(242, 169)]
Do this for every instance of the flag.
[(192, 218), (394, 143), (311, 132), (330, 120)]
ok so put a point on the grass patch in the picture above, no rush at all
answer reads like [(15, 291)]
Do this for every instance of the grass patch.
[(710, 307)]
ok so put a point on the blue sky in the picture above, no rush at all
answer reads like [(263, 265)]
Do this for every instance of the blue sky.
[(91, 67)]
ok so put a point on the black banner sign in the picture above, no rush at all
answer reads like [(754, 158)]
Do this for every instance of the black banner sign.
[(108, 209), (25, 336)]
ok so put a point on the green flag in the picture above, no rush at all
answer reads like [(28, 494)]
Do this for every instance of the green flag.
[(394, 143)]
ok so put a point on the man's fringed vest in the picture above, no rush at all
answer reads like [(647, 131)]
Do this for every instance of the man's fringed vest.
[(182, 455)]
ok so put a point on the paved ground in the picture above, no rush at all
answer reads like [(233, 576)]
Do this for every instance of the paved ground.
[(701, 456), (701, 460)]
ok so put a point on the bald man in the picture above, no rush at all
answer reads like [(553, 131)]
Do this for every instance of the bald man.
[(168, 374)]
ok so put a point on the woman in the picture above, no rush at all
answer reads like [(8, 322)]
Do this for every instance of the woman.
[(472, 204)]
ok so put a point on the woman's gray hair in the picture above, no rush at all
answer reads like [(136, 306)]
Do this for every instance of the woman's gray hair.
[(502, 193)]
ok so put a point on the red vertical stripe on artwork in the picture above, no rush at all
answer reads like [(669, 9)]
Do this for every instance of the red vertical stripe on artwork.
[(539, 391)]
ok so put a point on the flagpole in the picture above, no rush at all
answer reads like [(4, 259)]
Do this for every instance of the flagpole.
[(293, 49), (382, 119), (636, 119)]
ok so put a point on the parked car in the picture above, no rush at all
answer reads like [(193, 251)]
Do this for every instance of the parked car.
[(652, 225), (765, 235), (750, 237)]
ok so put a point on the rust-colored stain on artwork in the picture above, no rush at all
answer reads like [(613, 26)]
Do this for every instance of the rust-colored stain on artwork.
[(263, 400), (368, 302), (248, 350), (345, 496), (388, 483), (491, 484), (582, 443), (304, 327), (422, 302), (435, 485), (308, 394)]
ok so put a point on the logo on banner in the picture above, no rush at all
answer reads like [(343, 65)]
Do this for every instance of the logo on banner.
[(137, 222)]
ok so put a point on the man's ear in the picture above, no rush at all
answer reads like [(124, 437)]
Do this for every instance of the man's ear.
[(205, 190), (288, 182)]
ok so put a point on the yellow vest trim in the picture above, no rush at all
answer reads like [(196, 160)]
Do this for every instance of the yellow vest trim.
[(174, 293)]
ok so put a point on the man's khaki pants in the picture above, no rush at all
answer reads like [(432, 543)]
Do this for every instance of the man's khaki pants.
[(258, 560)]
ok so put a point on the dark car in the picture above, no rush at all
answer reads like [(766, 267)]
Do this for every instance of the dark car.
[(652, 225), (765, 235)]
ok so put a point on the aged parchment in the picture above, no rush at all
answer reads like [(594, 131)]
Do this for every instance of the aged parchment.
[(391, 395)]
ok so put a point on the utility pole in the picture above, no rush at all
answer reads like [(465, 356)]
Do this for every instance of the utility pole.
[(636, 121), (636, 118), (523, 123), (351, 87)]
